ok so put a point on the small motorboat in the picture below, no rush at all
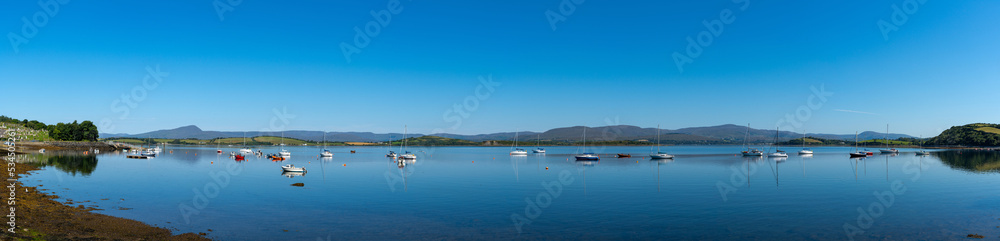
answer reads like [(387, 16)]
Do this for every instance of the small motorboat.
[(239, 157), (623, 155), (352, 151), (137, 157), (292, 168), (41, 150), (274, 157), (588, 157)]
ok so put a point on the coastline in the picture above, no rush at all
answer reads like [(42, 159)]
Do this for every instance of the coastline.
[(39, 216)]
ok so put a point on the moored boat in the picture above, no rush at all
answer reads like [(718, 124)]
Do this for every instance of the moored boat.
[(292, 168)]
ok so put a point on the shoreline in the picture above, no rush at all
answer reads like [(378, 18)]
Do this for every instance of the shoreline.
[(39, 216)]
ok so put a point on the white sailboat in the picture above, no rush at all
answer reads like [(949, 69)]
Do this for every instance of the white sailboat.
[(325, 153), (887, 149), (283, 152), (750, 151), (516, 151), (856, 152), (406, 154), (804, 151), (587, 156), (922, 152), (245, 149), (659, 154), (391, 153), (777, 153), (537, 148)]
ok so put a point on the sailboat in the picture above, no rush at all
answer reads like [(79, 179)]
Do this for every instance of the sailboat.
[(517, 151), (659, 154), (406, 154), (284, 153), (218, 147), (587, 156), (777, 153), (804, 151), (245, 149), (856, 152), (922, 152), (391, 153), (325, 153), (887, 149), (538, 149), (750, 151)]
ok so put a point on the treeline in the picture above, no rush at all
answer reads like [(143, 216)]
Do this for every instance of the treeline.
[(979, 134), (82, 131)]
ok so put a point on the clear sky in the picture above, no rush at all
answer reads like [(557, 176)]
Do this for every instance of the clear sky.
[(602, 61)]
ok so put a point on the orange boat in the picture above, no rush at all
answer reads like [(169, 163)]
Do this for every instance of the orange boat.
[(620, 155)]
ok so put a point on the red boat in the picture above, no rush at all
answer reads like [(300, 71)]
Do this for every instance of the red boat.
[(239, 157)]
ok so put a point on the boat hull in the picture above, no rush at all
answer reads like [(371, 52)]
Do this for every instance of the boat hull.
[(661, 156)]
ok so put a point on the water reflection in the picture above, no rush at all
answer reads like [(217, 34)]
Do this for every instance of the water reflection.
[(293, 174), (71, 164), (972, 161)]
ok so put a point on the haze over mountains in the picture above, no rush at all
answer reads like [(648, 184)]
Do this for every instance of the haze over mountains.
[(711, 134)]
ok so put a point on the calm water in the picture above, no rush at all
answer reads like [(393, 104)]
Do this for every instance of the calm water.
[(483, 193)]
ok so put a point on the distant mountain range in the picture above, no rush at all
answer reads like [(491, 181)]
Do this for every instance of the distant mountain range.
[(711, 134)]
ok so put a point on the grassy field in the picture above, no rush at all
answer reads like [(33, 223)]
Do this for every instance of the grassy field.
[(989, 130), (278, 140), (882, 142)]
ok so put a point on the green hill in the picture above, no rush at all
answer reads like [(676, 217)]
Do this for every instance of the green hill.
[(979, 134)]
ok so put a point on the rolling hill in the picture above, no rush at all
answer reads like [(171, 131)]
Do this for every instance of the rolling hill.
[(711, 134)]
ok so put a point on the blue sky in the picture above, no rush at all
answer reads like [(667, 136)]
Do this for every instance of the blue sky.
[(609, 60)]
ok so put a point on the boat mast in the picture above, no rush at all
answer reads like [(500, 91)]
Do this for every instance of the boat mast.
[(584, 139), (657, 138), (745, 137)]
